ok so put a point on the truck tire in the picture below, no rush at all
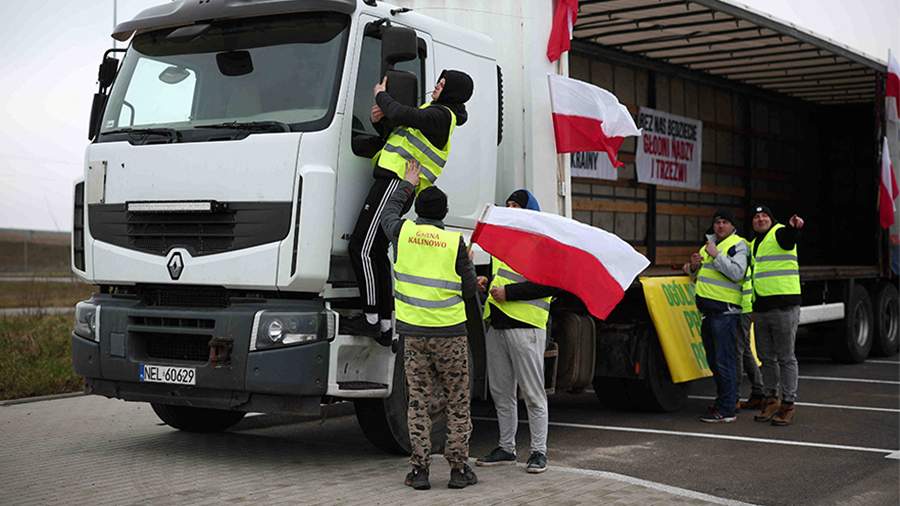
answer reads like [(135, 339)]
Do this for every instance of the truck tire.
[(887, 320), (853, 344), (192, 419), (656, 391), (383, 421)]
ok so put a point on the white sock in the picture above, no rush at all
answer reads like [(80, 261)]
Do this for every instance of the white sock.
[(385, 325), (372, 318)]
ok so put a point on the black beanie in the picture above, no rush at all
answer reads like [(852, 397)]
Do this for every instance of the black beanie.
[(519, 197), (432, 203), (458, 87), (725, 214), (762, 208)]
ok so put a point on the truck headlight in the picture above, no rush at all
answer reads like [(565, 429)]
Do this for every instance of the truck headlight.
[(87, 320), (276, 328)]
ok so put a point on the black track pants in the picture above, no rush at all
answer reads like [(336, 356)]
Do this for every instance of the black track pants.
[(368, 250)]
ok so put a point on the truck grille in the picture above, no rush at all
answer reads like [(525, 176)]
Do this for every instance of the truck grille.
[(171, 338), (183, 296), (232, 226), (190, 348)]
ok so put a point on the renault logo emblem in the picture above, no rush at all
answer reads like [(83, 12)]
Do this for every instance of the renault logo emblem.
[(175, 265)]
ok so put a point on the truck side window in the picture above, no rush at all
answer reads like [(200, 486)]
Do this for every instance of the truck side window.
[(369, 74)]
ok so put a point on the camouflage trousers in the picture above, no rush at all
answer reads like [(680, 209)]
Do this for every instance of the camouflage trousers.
[(432, 363)]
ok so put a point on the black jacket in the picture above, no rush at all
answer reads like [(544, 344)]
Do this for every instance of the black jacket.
[(433, 121), (787, 237)]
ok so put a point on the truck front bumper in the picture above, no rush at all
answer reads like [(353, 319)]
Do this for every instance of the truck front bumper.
[(129, 335)]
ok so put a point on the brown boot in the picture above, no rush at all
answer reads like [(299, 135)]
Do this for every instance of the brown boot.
[(754, 402), (769, 409), (785, 415)]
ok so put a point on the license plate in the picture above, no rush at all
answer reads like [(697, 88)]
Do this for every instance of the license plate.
[(168, 374)]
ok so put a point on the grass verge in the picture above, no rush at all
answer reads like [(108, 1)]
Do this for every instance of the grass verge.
[(42, 294), (35, 356)]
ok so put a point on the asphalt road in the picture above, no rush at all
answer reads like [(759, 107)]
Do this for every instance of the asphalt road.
[(842, 450)]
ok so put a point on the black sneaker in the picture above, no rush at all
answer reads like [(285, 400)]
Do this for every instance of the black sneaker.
[(418, 478), (462, 478), (497, 457), (537, 463), (359, 326), (386, 338), (713, 416)]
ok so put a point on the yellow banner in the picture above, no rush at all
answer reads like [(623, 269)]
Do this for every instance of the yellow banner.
[(677, 321)]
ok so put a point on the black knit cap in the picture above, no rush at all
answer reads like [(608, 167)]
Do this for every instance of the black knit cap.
[(458, 87), (725, 214), (762, 208), (519, 197), (431, 203)]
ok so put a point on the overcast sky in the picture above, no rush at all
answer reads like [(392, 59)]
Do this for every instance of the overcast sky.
[(49, 68)]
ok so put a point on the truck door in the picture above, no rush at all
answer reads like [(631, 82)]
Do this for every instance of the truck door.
[(359, 137)]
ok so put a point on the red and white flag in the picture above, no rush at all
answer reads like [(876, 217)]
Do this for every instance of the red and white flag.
[(588, 118), (564, 18), (888, 189), (892, 89), (556, 251)]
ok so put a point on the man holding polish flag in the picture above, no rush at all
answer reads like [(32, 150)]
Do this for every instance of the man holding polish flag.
[(588, 118), (555, 251)]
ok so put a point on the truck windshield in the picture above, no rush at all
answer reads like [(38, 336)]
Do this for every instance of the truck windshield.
[(246, 74)]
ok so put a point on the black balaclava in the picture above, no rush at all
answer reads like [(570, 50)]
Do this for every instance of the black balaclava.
[(519, 197), (458, 87), (432, 203)]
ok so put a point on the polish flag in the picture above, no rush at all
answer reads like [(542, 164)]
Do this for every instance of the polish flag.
[(892, 89), (588, 118), (563, 25), (555, 251), (888, 189)]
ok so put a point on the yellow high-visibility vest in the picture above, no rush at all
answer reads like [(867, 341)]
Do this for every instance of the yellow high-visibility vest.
[(533, 312), (427, 289), (711, 283), (406, 143), (776, 271)]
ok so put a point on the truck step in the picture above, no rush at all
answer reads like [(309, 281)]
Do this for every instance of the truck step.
[(361, 385)]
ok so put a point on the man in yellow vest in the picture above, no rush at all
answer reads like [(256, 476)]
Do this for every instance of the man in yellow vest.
[(434, 276), (423, 135), (518, 311), (776, 310), (719, 269)]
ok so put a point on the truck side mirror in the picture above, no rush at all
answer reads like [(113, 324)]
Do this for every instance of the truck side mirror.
[(403, 87), (397, 45), (107, 72)]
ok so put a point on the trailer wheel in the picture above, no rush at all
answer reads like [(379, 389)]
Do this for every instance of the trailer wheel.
[(383, 421), (192, 419), (656, 391), (887, 321), (853, 345)]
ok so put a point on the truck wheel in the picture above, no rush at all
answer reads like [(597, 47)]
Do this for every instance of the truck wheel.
[(192, 419), (656, 391), (887, 321), (383, 421), (853, 344), (612, 392)]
